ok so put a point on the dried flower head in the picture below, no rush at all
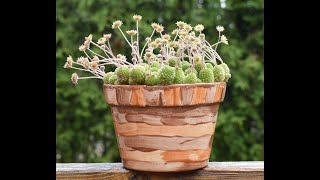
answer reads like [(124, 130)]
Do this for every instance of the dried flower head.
[(137, 17), (148, 54), (164, 41), (166, 36), (202, 36), (220, 28), (132, 32), (153, 44), (187, 27), (148, 39), (158, 40), (80, 60), (183, 32), (95, 58), (180, 24), (116, 24), (82, 47), (199, 28), (102, 40), (107, 36), (102, 68), (93, 65), (224, 39), (172, 44), (74, 78), (175, 31), (160, 28), (155, 25)]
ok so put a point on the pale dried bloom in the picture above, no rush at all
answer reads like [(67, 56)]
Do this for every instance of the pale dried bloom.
[(85, 63), (224, 39), (172, 44), (148, 39), (199, 28), (82, 48), (137, 17), (93, 65), (187, 27), (175, 31), (153, 44), (107, 36), (148, 54), (202, 36), (220, 28), (164, 41), (158, 40), (102, 40), (155, 25), (160, 29), (87, 41), (95, 58), (166, 36), (180, 24), (80, 60), (116, 24), (69, 62), (132, 32), (74, 78), (183, 32)]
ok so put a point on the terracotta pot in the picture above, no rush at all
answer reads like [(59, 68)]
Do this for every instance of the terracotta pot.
[(165, 128)]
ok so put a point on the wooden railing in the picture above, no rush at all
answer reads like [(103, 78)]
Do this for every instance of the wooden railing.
[(215, 170)]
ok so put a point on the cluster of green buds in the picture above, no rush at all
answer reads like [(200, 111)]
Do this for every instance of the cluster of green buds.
[(183, 56)]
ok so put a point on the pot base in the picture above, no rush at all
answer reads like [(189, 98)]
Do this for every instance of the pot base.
[(164, 166)]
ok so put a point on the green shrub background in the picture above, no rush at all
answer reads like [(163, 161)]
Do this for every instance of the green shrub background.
[(84, 127)]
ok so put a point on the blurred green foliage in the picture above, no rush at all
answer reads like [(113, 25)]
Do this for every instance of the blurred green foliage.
[(84, 130)]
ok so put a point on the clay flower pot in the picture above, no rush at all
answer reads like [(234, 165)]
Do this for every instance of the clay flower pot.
[(165, 128)]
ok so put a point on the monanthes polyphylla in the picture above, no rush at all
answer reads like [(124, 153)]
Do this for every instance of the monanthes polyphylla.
[(183, 52)]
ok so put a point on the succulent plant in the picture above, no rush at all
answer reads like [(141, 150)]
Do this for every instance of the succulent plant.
[(183, 56)]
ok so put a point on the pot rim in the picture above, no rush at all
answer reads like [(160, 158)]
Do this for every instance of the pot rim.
[(167, 86)]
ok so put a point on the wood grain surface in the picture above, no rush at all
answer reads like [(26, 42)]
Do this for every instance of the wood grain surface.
[(251, 170)]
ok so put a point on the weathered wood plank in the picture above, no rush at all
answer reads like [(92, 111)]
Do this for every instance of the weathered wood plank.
[(215, 170)]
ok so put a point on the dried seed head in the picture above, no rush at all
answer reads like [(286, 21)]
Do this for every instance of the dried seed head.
[(148, 54), (166, 36), (202, 36), (194, 48), (107, 36), (148, 39), (160, 29), (183, 32), (187, 27), (135, 43), (224, 39), (153, 44), (80, 60), (199, 28), (137, 17), (95, 58), (103, 46), (116, 24), (164, 41), (82, 48), (180, 24), (175, 31), (102, 40), (158, 40), (155, 25), (132, 32), (74, 78), (172, 44), (93, 65), (220, 28)]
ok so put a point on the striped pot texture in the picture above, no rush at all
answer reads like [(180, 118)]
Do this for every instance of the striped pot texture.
[(165, 128)]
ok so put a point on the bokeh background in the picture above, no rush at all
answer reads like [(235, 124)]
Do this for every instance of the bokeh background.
[(84, 127)]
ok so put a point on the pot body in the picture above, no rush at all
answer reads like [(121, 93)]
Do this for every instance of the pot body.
[(165, 128)]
